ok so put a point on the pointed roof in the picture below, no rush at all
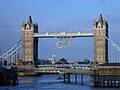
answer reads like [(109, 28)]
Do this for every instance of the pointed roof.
[(94, 21), (100, 18), (36, 24), (23, 24), (29, 20)]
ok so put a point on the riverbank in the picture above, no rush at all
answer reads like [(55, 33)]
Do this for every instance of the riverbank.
[(8, 75)]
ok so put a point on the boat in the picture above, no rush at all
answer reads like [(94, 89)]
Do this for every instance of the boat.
[(60, 78)]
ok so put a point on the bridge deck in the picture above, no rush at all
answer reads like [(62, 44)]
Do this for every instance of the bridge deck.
[(54, 70), (63, 70), (63, 34)]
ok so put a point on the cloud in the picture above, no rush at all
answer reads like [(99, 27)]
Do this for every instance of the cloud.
[(68, 25)]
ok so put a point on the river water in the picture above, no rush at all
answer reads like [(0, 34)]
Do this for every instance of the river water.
[(50, 82)]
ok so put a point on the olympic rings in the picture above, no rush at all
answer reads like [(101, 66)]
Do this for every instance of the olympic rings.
[(71, 40), (59, 42), (65, 42)]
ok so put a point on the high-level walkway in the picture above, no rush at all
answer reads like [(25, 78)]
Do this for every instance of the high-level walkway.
[(63, 34)]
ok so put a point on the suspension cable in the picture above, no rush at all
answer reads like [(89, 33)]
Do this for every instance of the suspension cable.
[(116, 50), (115, 55), (9, 55), (110, 52)]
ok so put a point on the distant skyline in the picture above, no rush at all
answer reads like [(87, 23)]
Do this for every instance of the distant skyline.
[(56, 16)]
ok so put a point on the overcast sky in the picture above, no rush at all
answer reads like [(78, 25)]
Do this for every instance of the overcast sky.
[(56, 16)]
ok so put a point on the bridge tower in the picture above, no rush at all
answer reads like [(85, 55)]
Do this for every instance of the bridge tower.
[(29, 43), (100, 42)]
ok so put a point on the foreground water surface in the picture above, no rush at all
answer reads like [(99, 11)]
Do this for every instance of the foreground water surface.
[(50, 82)]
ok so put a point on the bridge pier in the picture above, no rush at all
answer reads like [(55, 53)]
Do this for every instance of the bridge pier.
[(103, 83), (66, 77), (81, 79), (108, 83), (75, 78), (118, 83), (111, 83), (69, 77), (100, 83), (114, 83), (107, 76)]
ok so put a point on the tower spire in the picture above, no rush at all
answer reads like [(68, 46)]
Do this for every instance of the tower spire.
[(23, 24), (37, 24), (94, 21), (29, 19), (101, 18)]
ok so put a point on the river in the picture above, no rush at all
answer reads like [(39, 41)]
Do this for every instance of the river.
[(50, 82)]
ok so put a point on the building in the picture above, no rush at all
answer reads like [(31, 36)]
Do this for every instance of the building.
[(52, 59), (63, 61)]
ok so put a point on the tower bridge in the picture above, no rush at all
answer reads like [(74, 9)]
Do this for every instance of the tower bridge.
[(30, 37), (29, 44)]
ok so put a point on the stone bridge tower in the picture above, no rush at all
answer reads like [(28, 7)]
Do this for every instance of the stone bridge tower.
[(100, 42), (29, 43)]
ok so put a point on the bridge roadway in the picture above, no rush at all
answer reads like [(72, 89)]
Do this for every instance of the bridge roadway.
[(75, 66), (64, 68), (62, 71), (63, 34), (58, 68)]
